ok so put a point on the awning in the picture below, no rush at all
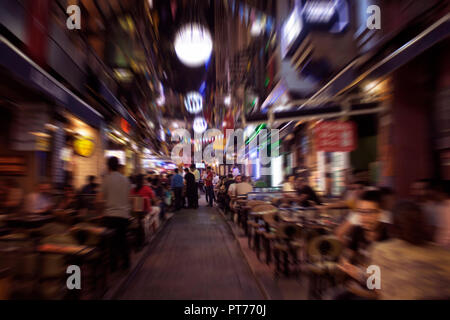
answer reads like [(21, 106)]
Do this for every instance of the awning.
[(434, 34), (31, 74), (116, 105), (351, 75), (316, 112)]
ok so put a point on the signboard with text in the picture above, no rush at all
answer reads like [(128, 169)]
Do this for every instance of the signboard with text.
[(335, 136)]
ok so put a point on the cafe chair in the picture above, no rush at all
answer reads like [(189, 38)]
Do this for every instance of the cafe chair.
[(245, 209), (323, 253), (269, 234), (100, 238), (257, 225), (288, 243), (18, 259), (56, 253), (139, 215)]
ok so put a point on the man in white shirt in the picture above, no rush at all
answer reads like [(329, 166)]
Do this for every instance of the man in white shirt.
[(116, 194), (232, 187), (244, 187)]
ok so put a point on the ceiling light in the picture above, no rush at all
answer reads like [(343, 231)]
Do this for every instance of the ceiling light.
[(193, 45), (193, 102), (200, 125)]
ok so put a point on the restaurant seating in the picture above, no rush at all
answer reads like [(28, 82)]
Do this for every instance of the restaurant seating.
[(257, 225), (287, 244), (323, 253), (297, 239)]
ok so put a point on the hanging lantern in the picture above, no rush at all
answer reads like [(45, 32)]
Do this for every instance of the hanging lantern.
[(200, 125), (193, 45), (193, 102)]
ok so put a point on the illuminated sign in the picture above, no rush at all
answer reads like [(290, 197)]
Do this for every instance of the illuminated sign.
[(125, 126), (291, 31), (84, 147), (319, 11), (328, 15), (335, 136)]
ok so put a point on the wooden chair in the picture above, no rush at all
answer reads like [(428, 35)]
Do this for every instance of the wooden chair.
[(269, 235), (256, 227), (288, 242), (323, 253)]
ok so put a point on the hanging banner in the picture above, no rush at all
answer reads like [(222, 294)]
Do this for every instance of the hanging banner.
[(335, 136)]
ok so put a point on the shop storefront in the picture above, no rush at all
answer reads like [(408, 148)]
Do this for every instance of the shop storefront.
[(120, 143), (82, 151)]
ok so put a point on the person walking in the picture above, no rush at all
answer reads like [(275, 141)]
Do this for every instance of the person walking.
[(115, 193), (177, 187), (209, 186), (196, 174), (190, 188)]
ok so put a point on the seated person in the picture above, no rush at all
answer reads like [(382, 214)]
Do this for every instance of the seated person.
[(147, 193), (289, 184), (69, 200), (356, 256), (39, 201), (91, 187), (305, 194), (350, 196), (232, 187), (353, 218), (244, 187)]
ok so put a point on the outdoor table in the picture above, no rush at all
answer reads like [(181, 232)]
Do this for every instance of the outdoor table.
[(28, 221), (65, 249)]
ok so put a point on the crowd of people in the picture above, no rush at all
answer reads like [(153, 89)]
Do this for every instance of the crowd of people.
[(409, 240)]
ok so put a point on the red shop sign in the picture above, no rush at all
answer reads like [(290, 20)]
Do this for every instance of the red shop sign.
[(125, 126), (335, 136)]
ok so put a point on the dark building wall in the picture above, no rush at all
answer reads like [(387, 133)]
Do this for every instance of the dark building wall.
[(412, 123)]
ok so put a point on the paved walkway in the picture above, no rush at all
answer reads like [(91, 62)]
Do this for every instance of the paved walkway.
[(194, 257)]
